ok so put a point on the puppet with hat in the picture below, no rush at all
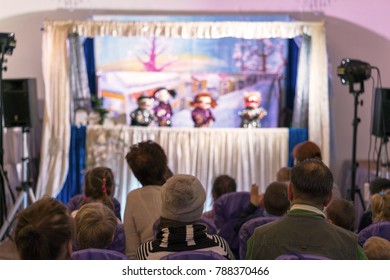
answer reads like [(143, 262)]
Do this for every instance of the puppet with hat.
[(143, 115)]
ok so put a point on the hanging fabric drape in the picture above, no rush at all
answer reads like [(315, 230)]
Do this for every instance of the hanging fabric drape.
[(56, 130)]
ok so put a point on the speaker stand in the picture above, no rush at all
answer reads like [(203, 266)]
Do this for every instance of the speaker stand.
[(25, 189)]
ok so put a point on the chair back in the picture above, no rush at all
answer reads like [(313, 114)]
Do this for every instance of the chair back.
[(228, 208), (119, 242), (300, 256), (247, 230), (194, 255), (381, 229), (98, 254)]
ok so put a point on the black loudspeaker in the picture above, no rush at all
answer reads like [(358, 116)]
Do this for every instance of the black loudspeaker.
[(381, 114), (20, 102)]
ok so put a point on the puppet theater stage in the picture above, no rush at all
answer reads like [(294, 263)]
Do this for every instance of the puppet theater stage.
[(249, 155)]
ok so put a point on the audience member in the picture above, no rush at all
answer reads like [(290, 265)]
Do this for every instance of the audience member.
[(222, 184), (380, 206), (274, 201), (95, 226), (377, 248), (44, 231), (93, 182), (376, 186), (283, 174), (148, 162), (304, 229), (310, 150), (341, 212), (183, 198)]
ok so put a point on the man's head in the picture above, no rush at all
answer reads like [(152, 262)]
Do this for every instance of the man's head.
[(148, 162), (183, 198), (311, 182), (306, 150)]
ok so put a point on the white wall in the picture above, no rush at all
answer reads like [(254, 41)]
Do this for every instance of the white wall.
[(354, 30)]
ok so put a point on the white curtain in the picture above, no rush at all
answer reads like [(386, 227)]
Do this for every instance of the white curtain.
[(248, 155), (55, 143)]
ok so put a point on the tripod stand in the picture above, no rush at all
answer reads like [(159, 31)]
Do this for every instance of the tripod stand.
[(25, 188), (354, 189)]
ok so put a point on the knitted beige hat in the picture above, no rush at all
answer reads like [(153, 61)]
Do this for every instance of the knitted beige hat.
[(183, 197)]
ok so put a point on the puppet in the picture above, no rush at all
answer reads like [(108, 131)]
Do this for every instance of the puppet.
[(253, 113), (143, 115), (201, 114), (163, 110)]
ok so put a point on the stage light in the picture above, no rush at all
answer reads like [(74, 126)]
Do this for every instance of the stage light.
[(7, 43), (353, 71)]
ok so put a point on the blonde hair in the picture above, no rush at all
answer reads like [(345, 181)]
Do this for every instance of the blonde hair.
[(380, 206), (377, 248), (95, 226)]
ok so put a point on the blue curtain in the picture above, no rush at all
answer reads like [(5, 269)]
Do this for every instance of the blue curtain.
[(77, 153), (89, 54), (295, 136)]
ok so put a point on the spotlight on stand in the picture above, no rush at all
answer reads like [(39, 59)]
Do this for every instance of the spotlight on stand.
[(7, 42), (353, 71)]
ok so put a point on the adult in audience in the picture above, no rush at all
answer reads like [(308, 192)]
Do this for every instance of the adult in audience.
[(148, 162), (306, 150), (183, 198), (341, 212), (93, 190), (304, 228), (222, 184), (376, 186), (44, 231)]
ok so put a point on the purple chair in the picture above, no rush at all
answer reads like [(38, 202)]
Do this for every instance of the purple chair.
[(194, 255), (98, 254), (247, 230), (300, 256), (381, 229), (228, 209)]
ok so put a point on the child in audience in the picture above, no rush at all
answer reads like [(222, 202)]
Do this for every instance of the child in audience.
[(341, 212), (99, 184), (380, 206), (377, 248), (222, 184), (274, 200), (44, 231), (283, 174), (95, 226), (376, 186)]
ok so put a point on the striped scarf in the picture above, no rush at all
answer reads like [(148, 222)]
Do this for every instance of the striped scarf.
[(183, 238)]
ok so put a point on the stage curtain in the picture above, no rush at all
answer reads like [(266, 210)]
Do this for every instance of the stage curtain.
[(56, 126), (248, 155), (77, 156)]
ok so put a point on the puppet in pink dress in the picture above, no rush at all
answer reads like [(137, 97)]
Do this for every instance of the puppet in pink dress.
[(163, 110), (201, 114)]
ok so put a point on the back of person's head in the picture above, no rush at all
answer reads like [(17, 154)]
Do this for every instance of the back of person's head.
[(380, 206), (99, 185), (283, 174), (379, 184), (223, 184), (377, 248), (148, 162), (276, 199), (311, 181), (183, 198), (95, 226), (306, 150), (44, 231), (341, 212)]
